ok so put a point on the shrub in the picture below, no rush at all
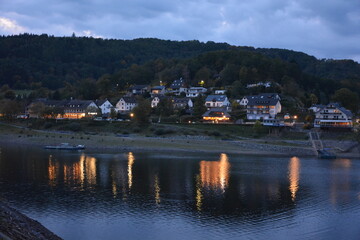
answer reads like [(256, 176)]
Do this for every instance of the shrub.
[(48, 125)]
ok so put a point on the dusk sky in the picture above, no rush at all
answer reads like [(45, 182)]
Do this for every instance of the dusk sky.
[(324, 29)]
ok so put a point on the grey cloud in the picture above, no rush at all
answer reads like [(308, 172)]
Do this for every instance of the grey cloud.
[(328, 29)]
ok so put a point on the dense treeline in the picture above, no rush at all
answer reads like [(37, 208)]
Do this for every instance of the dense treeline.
[(88, 68), (52, 61), (28, 58)]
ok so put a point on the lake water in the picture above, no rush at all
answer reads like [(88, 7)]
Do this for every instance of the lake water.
[(131, 195)]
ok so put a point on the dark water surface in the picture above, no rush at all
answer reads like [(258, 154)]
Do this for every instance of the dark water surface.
[(82, 195)]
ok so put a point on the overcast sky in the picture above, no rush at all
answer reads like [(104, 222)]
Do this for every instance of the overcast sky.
[(322, 28)]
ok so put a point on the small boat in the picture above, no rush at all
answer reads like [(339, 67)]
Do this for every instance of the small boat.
[(65, 146), (325, 154)]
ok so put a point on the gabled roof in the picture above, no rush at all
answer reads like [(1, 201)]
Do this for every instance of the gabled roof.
[(216, 98), (100, 102), (158, 88), (138, 87), (80, 104), (338, 106), (129, 99), (178, 84), (216, 112), (181, 100), (268, 99)]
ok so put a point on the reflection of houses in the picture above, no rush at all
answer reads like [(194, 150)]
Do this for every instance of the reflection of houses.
[(157, 90), (217, 101), (216, 115), (195, 91), (105, 106), (333, 115), (74, 173), (215, 174), (262, 106), (126, 104), (182, 103)]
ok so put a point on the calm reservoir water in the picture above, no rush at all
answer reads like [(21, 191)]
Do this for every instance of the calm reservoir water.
[(130, 195)]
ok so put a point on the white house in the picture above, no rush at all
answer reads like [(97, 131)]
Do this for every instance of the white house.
[(217, 101), (195, 91), (126, 104), (265, 84), (333, 115), (220, 92), (155, 100), (138, 89), (262, 106), (316, 107), (157, 90), (182, 103), (104, 105)]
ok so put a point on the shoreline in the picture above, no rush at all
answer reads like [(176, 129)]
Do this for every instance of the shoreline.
[(15, 225), (199, 144)]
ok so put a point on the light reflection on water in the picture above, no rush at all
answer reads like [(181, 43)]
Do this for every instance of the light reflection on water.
[(144, 196)]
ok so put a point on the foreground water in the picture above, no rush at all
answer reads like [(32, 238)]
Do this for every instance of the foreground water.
[(80, 195)]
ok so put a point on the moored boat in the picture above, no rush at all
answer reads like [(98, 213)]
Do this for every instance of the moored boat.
[(65, 146)]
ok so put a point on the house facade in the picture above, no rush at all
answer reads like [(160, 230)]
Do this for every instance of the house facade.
[(138, 89), (194, 92), (178, 87), (182, 103), (157, 90), (333, 115), (262, 106), (76, 109), (105, 106), (72, 109), (156, 100), (217, 101), (216, 115), (126, 104)]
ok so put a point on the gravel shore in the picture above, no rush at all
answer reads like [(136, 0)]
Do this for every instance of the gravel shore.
[(14, 225)]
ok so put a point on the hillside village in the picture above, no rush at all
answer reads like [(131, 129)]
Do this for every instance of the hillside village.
[(180, 102)]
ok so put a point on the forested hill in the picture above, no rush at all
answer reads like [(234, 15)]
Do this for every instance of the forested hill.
[(54, 61)]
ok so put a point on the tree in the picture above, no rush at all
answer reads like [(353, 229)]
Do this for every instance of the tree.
[(347, 98), (9, 108), (313, 99), (165, 107), (37, 109), (199, 106), (142, 111), (10, 94)]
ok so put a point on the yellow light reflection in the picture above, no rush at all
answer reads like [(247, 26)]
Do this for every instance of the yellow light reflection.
[(52, 171), (131, 160), (215, 174), (199, 195), (157, 189), (90, 170), (114, 189), (294, 176)]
